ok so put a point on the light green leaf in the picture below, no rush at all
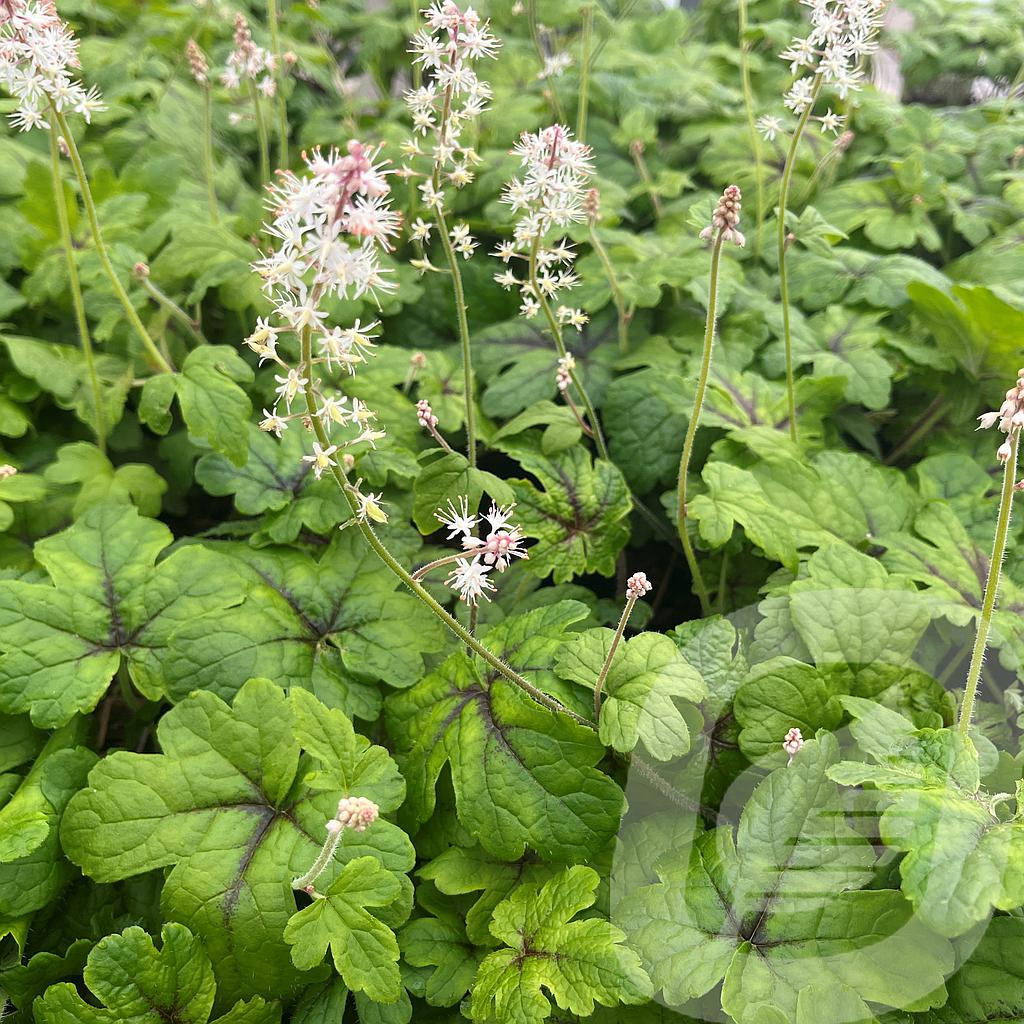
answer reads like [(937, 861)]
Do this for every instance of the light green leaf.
[(227, 807), (780, 907), (962, 858), (364, 950), (579, 514), (647, 673), (523, 776), (137, 984), (579, 963), (107, 602), (443, 945), (335, 626), (83, 465)]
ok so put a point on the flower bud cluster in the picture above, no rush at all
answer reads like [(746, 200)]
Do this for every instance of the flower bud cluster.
[(1009, 417), (637, 586), (37, 52), (197, 63), (355, 813), (249, 62), (330, 225), (793, 743), (550, 194), (503, 543), (726, 218)]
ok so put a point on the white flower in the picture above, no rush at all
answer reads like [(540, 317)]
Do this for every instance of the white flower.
[(469, 578), (420, 231), (832, 122), (769, 127), (273, 423), (321, 458), (457, 518), (356, 813), (289, 386)]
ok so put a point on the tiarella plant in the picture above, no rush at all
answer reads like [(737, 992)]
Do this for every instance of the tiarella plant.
[(417, 599)]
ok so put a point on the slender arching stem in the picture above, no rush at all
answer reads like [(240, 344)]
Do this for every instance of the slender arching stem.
[(462, 320), (584, 95), (531, 17), (556, 333), (995, 568), (691, 428), (755, 140), (282, 110), (787, 176), (619, 630), (324, 857), (261, 135), (152, 351), (99, 423), (613, 283), (211, 189), (371, 538)]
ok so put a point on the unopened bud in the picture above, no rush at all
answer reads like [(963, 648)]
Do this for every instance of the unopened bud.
[(7, 470), (141, 270), (638, 586)]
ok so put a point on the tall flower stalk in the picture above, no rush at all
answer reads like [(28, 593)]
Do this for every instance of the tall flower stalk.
[(199, 68), (843, 33), (60, 201), (548, 197), (748, 107), (1009, 418), (37, 52), (592, 207), (637, 586), (282, 109), (723, 228), (453, 97)]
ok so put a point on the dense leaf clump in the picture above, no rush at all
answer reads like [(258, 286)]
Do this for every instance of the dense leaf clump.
[(581, 595)]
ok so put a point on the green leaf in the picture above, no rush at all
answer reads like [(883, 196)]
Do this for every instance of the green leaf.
[(646, 674), (83, 465), (32, 869), (215, 409), (335, 627), (18, 489), (962, 859), (786, 505), (460, 870), (645, 415), (139, 985), (989, 987), (228, 807), (107, 604), (780, 907), (447, 477), (523, 776), (364, 950), (580, 963), (441, 943), (953, 568), (579, 516)]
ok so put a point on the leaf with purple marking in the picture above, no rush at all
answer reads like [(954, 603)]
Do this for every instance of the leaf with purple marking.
[(231, 808)]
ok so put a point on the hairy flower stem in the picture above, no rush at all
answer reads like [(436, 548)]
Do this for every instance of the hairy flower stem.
[(261, 135), (82, 323), (148, 344), (324, 857), (161, 298), (691, 428), (605, 668), (556, 333), (995, 568), (787, 177), (584, 94), (755, 140), (636, 151), (371, 538), (436, 564), (531, 17), (463, 322), (211, 189), (282, 110), (613, 283)]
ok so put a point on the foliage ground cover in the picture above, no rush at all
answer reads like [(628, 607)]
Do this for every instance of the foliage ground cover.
[(491, 522)]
